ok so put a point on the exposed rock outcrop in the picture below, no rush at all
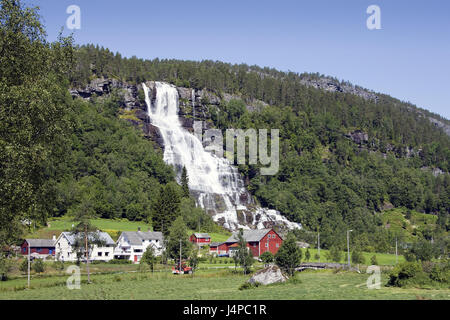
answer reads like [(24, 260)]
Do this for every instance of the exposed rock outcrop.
[(269, 275), (332, 85)]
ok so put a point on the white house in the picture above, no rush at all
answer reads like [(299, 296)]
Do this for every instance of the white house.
[(131, 245), (65, 250)]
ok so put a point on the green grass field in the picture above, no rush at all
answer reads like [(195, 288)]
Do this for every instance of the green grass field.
[(384, 259), (214, 284)]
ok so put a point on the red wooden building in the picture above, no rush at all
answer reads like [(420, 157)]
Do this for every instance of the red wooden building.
[(40, 248), (258, 241), (201, 239)]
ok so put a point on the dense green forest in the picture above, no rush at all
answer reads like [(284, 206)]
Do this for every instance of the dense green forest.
[(326, 181)]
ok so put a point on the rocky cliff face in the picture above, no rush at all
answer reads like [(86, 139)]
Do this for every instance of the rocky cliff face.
[(194, 104), (332, 85)]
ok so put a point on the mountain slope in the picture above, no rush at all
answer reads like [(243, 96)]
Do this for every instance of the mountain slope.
[(346, 154)]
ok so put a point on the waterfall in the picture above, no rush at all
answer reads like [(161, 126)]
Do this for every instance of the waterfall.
[(216, 184)]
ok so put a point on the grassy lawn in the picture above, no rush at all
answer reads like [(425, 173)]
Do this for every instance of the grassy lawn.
[(215, 284), (384, 259)]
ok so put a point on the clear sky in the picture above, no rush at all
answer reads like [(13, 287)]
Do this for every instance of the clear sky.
[(409, 58)]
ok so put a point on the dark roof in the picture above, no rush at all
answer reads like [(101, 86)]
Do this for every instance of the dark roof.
[(136, 237), (40, 243), (103, 236), (249, 235), (202, 235), (216, 244)]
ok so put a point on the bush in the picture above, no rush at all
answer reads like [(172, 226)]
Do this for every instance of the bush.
[(24, 266), (440, 273), (357, 257), (267, 257), (38, 266), (334, 254), (406, 273), (373, 260)]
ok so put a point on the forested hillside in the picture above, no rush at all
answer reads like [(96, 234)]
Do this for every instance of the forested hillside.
[(344, 157)]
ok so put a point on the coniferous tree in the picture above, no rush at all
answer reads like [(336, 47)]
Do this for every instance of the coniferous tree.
[(178, 236), (166, 208), (185, 183), (289, 255), (243, 254), (149, 257)]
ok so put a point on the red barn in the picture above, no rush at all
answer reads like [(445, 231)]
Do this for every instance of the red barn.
[(40, 248), (218, 248), (201, 239), (258, 241)]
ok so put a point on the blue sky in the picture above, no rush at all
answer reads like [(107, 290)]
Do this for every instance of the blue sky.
[(409, 58)]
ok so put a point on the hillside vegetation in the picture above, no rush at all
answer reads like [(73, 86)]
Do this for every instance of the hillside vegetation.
[(328, 180)]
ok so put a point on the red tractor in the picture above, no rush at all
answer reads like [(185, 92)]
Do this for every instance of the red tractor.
[(183, 270)]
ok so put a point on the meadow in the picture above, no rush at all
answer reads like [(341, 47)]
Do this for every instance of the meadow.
[(214, 284)]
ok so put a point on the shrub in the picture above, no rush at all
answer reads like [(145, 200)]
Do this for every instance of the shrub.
[(38, 266), (357, 257), (334, 254), (267, 257), (373, 260), (406, 273), (440, 273), (24, 266)]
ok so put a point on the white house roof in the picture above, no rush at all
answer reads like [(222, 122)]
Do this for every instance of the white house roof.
[(103, 236), (137, 237), (249, 235)]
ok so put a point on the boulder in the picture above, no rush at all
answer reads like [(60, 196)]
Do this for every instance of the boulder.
[(271, 274)]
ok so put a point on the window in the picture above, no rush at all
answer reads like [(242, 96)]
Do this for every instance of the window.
[(267, 245), (107, 254), (278, 245), (100, 254)]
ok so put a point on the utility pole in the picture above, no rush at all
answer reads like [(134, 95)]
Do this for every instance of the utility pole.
[(396, 252), (348, 247), (29, 265), (318, 244), (180, 255)]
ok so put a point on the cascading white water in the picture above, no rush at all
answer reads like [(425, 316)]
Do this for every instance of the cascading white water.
[(217, 184)]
